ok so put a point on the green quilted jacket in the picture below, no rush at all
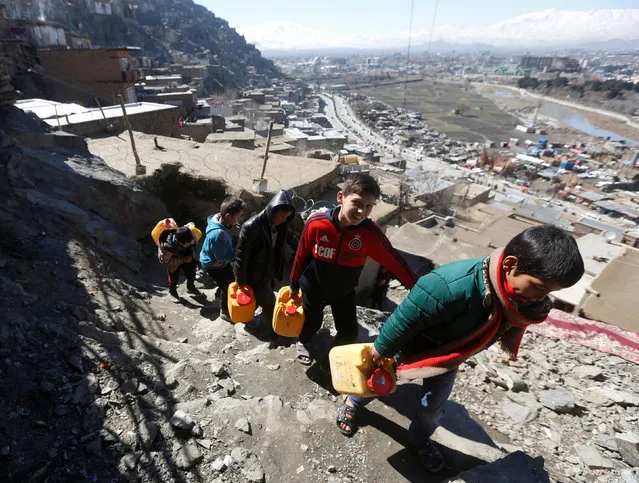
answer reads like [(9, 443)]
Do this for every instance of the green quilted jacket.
[(443, 306)]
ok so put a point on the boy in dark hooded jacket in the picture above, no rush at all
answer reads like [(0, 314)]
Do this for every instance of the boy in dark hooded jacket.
[(259, 253)]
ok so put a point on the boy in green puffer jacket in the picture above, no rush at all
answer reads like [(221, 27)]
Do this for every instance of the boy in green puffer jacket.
[(462, 308)]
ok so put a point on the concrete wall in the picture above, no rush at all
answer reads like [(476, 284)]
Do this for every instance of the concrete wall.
[(185, 100), (318, 185), (243, 144), (197, 131), (163, 123)]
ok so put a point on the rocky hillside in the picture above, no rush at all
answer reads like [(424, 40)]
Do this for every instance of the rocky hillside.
[(158, 27), (105, 378)]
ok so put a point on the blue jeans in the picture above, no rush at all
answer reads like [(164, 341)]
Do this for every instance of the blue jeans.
[(434, 394)]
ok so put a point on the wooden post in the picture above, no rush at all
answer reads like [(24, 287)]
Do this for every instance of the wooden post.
[(268, 145), (97, 101), (139, 168)]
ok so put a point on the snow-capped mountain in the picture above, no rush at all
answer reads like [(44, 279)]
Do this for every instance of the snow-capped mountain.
[(293, 36), (546, 28)]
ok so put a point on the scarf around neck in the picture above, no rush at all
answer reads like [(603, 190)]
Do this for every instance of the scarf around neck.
[(507, 323)]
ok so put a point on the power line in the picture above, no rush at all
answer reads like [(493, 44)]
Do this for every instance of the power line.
[(432, 27), (410, 35), (410, 38)]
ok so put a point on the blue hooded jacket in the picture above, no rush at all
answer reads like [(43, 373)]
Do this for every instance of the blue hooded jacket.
[(217, 249)]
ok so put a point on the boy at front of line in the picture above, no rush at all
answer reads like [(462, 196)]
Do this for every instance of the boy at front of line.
[(462, 308), (176, 250), (331, 255), (217, 249), (259, 253)]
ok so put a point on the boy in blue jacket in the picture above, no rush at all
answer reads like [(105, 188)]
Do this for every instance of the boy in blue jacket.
[(462, 308), (217, 249)]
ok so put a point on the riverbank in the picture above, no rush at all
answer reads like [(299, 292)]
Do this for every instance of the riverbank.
[(595, 122)]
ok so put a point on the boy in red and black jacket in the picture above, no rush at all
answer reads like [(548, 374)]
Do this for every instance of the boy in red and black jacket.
[(331, 256)]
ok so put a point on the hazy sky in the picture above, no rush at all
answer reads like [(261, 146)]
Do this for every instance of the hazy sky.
[(383, 17)]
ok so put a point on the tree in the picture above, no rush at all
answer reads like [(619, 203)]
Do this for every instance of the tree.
[(436, 193), (614, 93), (559, 82), (528, 83), (254, 117), (461, 108)]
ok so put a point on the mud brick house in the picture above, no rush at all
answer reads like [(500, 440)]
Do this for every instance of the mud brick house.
[(81, 75)]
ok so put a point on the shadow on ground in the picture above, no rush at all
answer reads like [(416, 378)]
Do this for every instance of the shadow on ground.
[(81, 351)]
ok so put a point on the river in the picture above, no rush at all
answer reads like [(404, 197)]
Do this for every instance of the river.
[(573, 119)]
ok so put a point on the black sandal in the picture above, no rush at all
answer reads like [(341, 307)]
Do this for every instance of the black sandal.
[(346, 415)]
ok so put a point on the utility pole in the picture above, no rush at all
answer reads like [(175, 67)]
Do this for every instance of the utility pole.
[(140, 169), (260, 183), (268, 145)]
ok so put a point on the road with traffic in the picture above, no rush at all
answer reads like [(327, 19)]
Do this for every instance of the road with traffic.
[(341, 115)]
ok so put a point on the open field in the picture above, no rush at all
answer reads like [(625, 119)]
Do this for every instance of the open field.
[(436, 100)]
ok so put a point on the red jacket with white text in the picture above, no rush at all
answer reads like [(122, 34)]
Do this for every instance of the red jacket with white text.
[(329, 260)]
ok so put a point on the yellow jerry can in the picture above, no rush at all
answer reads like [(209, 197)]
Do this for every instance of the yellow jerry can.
[(288, 316), (241, 303), (354, 373), (197, 233), (161, 226)]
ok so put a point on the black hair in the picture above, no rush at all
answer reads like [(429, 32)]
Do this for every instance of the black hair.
[(283, 208), (548, 253), (361, 184), (231, 206), (184, 235)]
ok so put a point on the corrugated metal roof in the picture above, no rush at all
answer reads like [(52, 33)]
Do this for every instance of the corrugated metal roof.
[(591, 195), (612, 206)]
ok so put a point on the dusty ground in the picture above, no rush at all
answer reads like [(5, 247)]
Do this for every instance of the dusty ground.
[(435, 100), (487, 116)]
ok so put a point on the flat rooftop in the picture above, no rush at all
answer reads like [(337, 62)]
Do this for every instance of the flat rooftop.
[(236, 166), (470, 190), (438, 247)]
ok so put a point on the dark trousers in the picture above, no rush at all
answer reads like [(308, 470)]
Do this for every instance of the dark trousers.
[(265, 298), (189, 272), (434, 394), (344, 314), (223, 277)]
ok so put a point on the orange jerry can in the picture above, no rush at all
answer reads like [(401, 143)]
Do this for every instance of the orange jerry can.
[(353, 371), (241, 303), (288, 316)]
